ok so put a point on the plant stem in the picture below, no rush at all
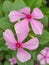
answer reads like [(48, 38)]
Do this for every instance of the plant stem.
[(31, 36)]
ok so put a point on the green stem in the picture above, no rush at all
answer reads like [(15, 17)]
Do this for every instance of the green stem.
[(31, 36)]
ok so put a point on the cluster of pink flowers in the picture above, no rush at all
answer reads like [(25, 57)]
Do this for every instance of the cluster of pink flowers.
[(22, 30)]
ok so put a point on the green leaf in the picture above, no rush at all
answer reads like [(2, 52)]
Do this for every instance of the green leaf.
[(2, 42), (33, 3), (45, 11), (29, 3), (1, 33), (7, 57), (44, 38), (30, 62), (38, 3), (16, 5), (7, 7), (45, 21), (6, 63), (5, 24), (1, 55), (2, 45), (1, 9)]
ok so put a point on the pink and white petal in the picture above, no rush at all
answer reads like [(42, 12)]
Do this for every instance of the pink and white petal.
[(32, 44), (37, 13), (47, 60), (23, 55), (47, 53), (22, 29), (15, 15), (46, 48), (12, 60), (25, 10), (37, 26), (44, 52), (9, 37), (43, 62), (39, 57), (11, 46)]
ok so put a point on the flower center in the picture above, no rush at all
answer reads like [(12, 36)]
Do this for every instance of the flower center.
[(28, 16), (18, 45), (44, 56)]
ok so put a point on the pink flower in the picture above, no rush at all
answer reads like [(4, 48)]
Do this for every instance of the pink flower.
[(22, 26), (13, 44), (12, 61), (43, 57)]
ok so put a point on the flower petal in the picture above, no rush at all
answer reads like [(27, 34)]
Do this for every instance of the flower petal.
[(43, 62), (47, 60), (46, 48), (25, 10), (37, 13), (14, 16), (23, 55), (44, 52), (11, 46), (22, 29), (37, 26), (39, 57), (47, 53), (12, 61), (31, 44), (8, 36)]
